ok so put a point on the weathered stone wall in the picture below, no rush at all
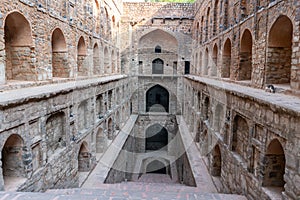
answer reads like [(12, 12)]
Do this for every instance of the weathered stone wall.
[(49, 125), (278, 65), (250, 124), (142, 19), (216, 22), (36, 61)]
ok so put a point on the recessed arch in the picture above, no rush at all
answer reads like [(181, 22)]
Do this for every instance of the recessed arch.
[(157, 99), (214, 69), (158, 37), (55, 132), (219, 116), (18, 47), (226, 59), (106, 61), (81, 55), (101, 141), (12, 161), (58, 41), (84, 158), (156, 167), (207, 23), (17, 30), (156, 138), (157, 66), (240, 136), (278, 71), (274, 165), (157, 49), (245, 62), (96, 60), (205, 66), (59, 54), (216, 17), (216, 162), (110, 129), (81, 47)]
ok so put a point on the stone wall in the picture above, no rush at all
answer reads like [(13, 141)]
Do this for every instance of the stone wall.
[(171, 20), (262, 20), (35, 57), (251, 124), (49, 125)]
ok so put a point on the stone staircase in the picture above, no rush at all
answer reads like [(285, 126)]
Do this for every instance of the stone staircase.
[(149, 186)]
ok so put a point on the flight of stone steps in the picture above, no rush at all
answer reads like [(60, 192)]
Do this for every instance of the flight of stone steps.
[(152, 186)]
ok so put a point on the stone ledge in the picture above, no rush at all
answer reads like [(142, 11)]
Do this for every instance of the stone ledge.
[(19, 96), (277, 100)]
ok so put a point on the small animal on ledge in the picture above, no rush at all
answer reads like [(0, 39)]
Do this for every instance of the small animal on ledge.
[(270, 88)]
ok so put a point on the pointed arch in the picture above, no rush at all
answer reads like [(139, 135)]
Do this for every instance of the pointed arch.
[(84, 158), (96, 60), (81, 56), (278, 71), (240, 136), (157, 99), (12, 160), (106, 61), (245, 62), (18, 45), (214, 68), (59, 54), (205, 65), (216, 161), (157, 66), (157, 49), (156, 137), (226, 59), (274, 165)]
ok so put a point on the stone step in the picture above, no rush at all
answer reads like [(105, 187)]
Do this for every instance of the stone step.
[(78, 194)]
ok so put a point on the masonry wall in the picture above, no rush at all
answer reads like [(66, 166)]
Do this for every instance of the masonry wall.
[(142, 19), (248, 127), (34, 53), (219, 21), (49, 125)]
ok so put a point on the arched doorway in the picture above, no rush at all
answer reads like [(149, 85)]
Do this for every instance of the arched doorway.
[(101, 141), (156, 167), (274, 165), (157, 66), (157, 49), (96, 60), (245, 65), (205, 66), (59, 54), (214, 67), (106, 58), (216, 161), (81, 55), (18, 48), (157, 99), (110, 130), (226, 60), (278, 69), (13, 168), (84, 158), (240, 136), (156, 137)]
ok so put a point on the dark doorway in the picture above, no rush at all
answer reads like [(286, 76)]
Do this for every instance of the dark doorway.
[(157, 66), (157, 99), (156, 137), (156, 167), (187, 67)]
